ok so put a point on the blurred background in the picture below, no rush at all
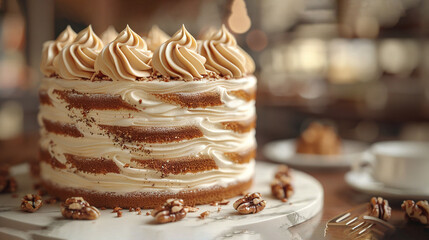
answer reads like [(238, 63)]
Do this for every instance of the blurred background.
[(361, 65)]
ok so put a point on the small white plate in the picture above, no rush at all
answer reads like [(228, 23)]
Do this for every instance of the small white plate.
[(283, 151), (362, 181)]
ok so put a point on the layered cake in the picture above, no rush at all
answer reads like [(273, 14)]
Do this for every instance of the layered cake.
[(124, 126), (319, 139)]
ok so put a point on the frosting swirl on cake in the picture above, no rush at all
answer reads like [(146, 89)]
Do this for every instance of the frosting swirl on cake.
[(207, 33), (109, 35), (155, 38), (127, 57), (52, 48), (178, 58), (76, 61), (224, 56)]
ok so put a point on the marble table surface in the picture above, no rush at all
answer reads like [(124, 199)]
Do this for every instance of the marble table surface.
[(271, 223)]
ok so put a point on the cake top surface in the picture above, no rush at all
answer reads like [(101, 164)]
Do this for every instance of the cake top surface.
[(128, 57)]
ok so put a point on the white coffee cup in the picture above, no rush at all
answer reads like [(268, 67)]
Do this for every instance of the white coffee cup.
[(401, 164)]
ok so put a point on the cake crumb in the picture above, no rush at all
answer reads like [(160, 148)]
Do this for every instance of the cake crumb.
[(103, 208), (118, 214), (126, 165), (51, 200), (218, 209), (204, 214), (116, 209), (131, 209), (139, 211), (147, 213), (192, 209), (222, 202), (41, 192)]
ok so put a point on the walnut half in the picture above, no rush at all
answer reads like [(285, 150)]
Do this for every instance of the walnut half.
[(282, 171), (173, 210), (250, 203), (78, 208), (418, 212), (379, 208), (281, 188), (31, 203), (7, 182)]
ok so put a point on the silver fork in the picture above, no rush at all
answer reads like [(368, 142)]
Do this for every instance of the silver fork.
[(354, 224)]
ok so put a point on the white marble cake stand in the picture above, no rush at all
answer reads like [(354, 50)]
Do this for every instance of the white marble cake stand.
[(271, 223)]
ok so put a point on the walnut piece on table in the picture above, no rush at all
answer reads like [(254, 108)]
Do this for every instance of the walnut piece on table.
[(250, 203), (418, 212), (282, 188), (173, 210), (31, 203), (379, 208), (79, 209)]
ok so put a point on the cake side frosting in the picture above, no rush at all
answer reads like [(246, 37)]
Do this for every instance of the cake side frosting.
[(214, 142)]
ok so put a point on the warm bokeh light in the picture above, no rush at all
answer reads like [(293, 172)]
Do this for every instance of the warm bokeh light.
[(257, 40), (352, 61), (11, 119), (399, 57), (239, 21)]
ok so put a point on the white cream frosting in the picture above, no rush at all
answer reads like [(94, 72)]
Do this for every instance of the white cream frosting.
[(152, 112), (140, 180)]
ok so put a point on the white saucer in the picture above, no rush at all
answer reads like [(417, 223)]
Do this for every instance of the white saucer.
[(362, 181), (283, 151)]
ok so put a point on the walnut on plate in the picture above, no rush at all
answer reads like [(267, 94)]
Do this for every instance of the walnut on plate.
[(379, 208), (282, 170), (78, 208), (173, 210), (31, 203), (281, 188), (418, 212), (250, 203), (7, 182)]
